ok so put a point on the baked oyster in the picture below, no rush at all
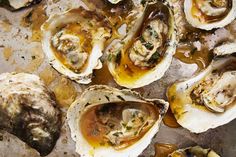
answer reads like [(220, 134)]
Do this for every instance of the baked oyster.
[(195, 151), (145, 53), (17, 4), (209, 14), (106, 122), (28, 110), (74, 42), (206, 100)]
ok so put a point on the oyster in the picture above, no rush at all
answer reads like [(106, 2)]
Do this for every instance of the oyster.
[(209, 14), (28, 111), (17, 4), (196, 151), (74, 41), (109, 122), (118, 12), (208, 99), (144, 55)]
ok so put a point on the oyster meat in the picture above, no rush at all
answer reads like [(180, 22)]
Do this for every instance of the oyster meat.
[(209, 14), (28, 110), (108, 122), (74, 42), (208, 99), (195, 151), (145, 53)]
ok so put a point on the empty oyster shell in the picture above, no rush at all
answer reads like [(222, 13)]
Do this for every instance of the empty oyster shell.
[(74, 41), (196, 151), (28, 111), (108, 122), (209, 14), (208, 99), (144, 55)]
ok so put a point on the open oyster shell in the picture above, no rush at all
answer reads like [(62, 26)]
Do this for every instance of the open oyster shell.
[(207, 100), (195, 151), (209, 14), (145, 53), (106, 122), (74, 41), (28, 111)]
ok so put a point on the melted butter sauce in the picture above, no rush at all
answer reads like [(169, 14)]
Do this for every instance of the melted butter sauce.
[(34, 19), (85, 42), (169, 120), (102, 76), (163, 150), (190, 55), (48, 75), (94, 122), (7, 53), (6, 25), (65, 92)]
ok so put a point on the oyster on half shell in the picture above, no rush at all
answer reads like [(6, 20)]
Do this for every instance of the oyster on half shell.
[(207, 100), (209, 14), (145, 53), (74, 42), (28, 110), (106, 122), (195, 151)]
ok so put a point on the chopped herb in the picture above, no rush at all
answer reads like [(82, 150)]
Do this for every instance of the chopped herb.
[(172, 98), (109, 58), (143, 2), (128, 128), (124, 125), (141, 119), (149, 46), (111, 126), (142, 39), (117, 134), (118, 57), (155, 57)]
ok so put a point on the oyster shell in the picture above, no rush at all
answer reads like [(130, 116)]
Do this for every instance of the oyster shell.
[(209, 14), (118, 12), (74, 41), (225, 49), (145, 53), (18, 4), (28, 111), (195, 151), (109, 122), (208, 99)]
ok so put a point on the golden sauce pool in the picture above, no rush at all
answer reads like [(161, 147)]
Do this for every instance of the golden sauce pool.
[(163, 149), (85, 42), (97, 121), (169, 120), (102, 76), (190, 55)]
